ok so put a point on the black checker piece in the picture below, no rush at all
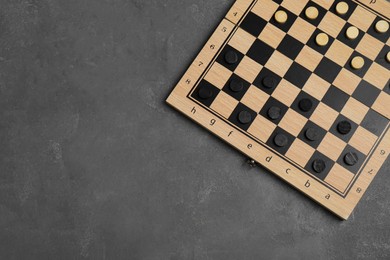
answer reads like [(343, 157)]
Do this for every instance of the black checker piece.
[(305, 104), (267, 81), (335, 98), (312, 134), (230, 58), (319, 165), (205, 93), (351, 159), (280, 140), (274, 110), (343, 128), (236, 87), (253, 24), (274, 113), (242, 116)]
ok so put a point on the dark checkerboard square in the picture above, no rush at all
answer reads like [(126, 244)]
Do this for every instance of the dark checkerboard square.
[(352, 7), (321, 49), (345, 137), (335, 98), (297, 75), (287, 25), (290, 47), (381, 59), (360, 72), (343, 38), (260, 52), (320, 132), (383, 37), (271, 141), (366, 93), (278, 1), (360, 156), (234, 116), (328, 165), (240, 94), (253, 24), (272, 102), (296, 104), (327, 70), (266, 73), (205, 86), (221, 58), (374, 122)]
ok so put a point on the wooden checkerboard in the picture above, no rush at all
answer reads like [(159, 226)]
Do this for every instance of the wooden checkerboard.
[(289, 85)]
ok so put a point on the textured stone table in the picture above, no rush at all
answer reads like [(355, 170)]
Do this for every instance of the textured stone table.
[(95, 165)]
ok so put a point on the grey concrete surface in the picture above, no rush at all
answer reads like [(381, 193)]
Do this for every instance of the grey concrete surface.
[(94, 164)]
